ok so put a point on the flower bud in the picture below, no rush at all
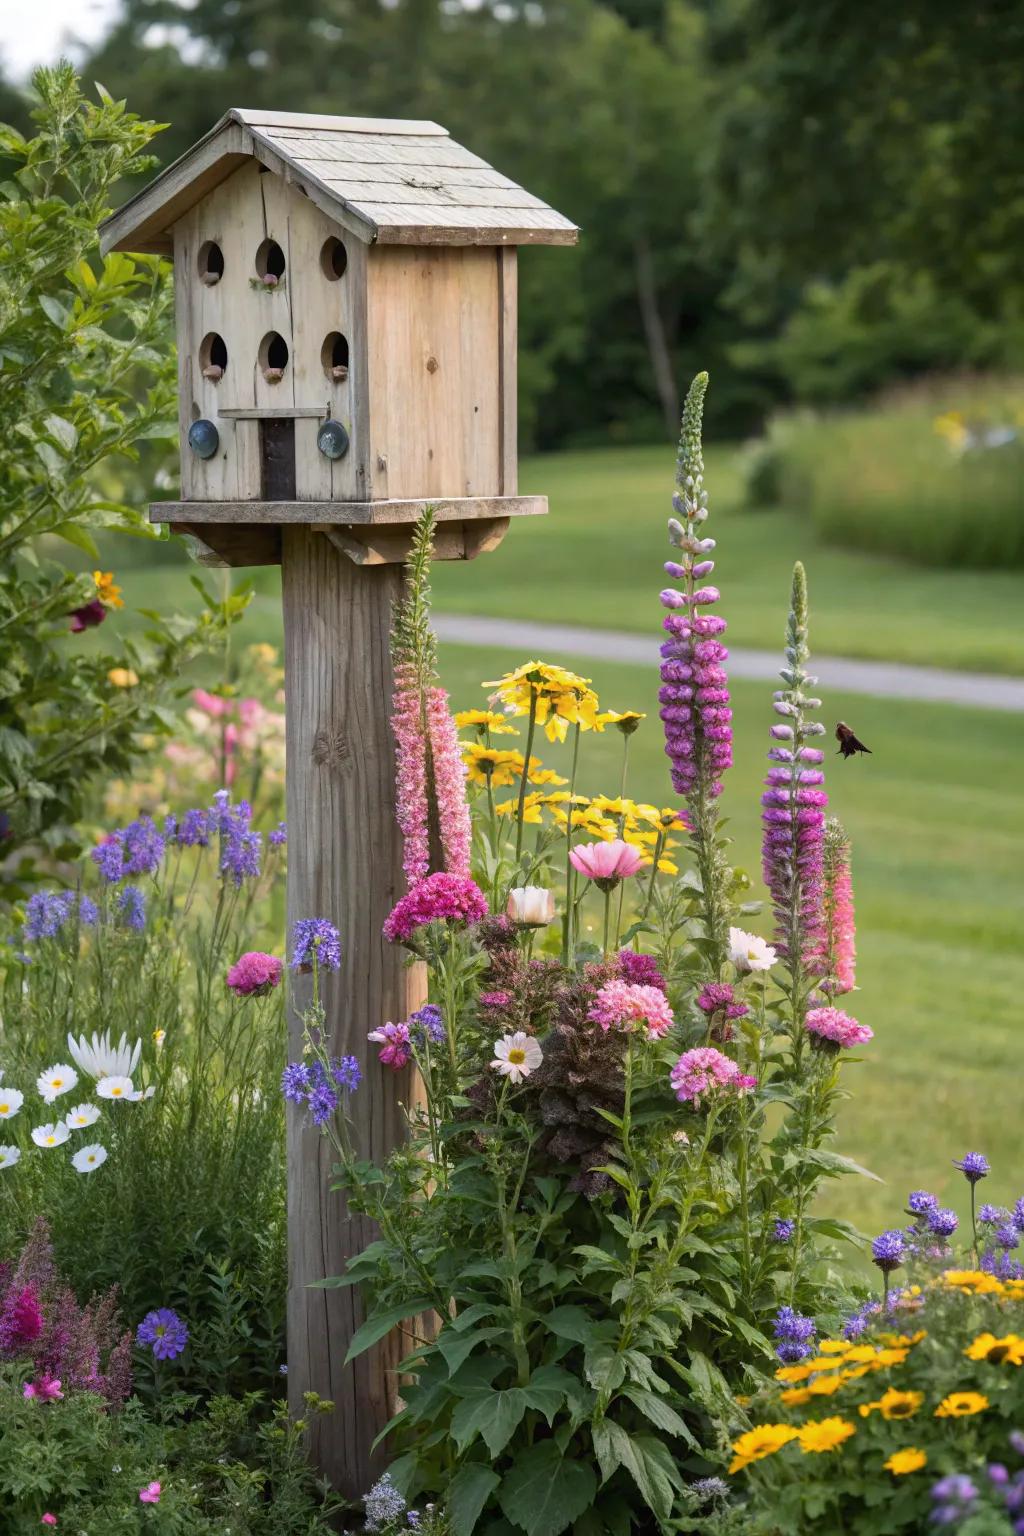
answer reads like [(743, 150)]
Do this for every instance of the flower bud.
[(531, 906)]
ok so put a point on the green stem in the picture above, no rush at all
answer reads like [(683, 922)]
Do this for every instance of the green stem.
[(520, 812), (569, 871)]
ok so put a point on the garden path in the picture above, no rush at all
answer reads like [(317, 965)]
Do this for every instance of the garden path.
[(883, 679)]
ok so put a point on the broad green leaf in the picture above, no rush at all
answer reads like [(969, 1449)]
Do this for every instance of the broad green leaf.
[(496, 1415), (81, 538), (468, 1492), (548, 1388), (546, 1491), (570, 1323), (617, 1449), (660, 1414), (381, 1323), (65, 432), (457, 1347)]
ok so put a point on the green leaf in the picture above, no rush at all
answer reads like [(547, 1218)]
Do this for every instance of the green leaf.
[(545, 1491), (570, 1323), (494, 1415), (65, 432), (379, 1324), (617, 1449), (457, 1347), (548, 1388), (81, 538), (471, 1315), (834, 1163), (468, 1492), (660, 1414)]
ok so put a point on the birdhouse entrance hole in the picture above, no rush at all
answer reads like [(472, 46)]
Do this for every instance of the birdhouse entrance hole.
[(213, 356), (333, 259), (270, 263), (277, 460), (273, 356), (211, 263), (334, 357)]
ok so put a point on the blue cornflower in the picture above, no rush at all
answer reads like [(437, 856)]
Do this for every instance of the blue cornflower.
[(279, 836), (193, 830), (1007, 1235), (296, 1082), (164, 1331), (46, 912), (108, 857), (383, 1504), (143, 847), (322, 1102), (888, 1250), (794, 1333), (921, 1203), (973, 1166), (88, 911), (346, 1073), (427, 1023), (315, 937), (131, 904), (227, 819), (784, 1229), (170, 827), (240, 855), (708, 1488), (943, 1222), (1018, 1214), (992, 1215)]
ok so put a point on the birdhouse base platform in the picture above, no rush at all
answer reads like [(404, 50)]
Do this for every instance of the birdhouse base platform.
[(222, 533)]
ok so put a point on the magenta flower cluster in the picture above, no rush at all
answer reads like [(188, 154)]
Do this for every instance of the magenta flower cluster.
[(832, 1029), (704, 1070), (254, 974), (441, 897), (623, 1004)]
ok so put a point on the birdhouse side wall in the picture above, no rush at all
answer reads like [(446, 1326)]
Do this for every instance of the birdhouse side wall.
[(254, 320), (441, 361)]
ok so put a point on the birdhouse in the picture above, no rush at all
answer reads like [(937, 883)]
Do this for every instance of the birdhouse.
[(346, 327)]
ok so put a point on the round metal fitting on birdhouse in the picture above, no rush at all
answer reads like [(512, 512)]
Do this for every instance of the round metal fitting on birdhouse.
[(203, 439), (332, 439)]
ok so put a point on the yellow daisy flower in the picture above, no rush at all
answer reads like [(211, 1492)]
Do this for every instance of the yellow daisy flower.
[(107, 590), (492, 765), (795, 1397), (909, 1460), (973, 1282), (559, 698), (961, 1405), (626, 722), (764, 1440), (1008, 1350), (482, 720), (899, 1405), (824, 1435), (122, 677), (532, 805), (833, 1347), (792, 1373)]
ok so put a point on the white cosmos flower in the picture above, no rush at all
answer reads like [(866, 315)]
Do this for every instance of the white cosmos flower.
[(51, 1135), (98, 1058), (138, 1094), (516, 1056), (82, 1115), (749, 952), (55, 1081), (9, 1156), (115, 1088), (10, 1102), (531, 905), (87, 1159)]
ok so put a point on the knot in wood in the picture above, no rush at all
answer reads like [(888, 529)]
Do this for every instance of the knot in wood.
[(432, 365), (330, 747)]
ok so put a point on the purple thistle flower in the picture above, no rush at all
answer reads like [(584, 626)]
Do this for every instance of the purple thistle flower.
[(1006, 1236), (943, 1222), (193, 831), (992, 1216), (108, 857), (322, 1102), (296, 1081), (315, 938), (143, 847), (921, 1203), (346, 1073), (131, 903), (719, 997), (795, 1334), (973, 1166), (427, 1023), (1018, 1214), (279, 836), (240, 855), (784, 1229), (640, 970), (88, 911), (46, 912), (888, 1250), (164, 1331)]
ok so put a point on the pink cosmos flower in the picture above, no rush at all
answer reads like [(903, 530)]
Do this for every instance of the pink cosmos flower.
[(150, 1494), (45, 1388), (394, 1040), (440, 897), (254, 973), (832, 1029), (210, 704), (621, 1004), (48, 1519), (607, 863), (704, 1069)]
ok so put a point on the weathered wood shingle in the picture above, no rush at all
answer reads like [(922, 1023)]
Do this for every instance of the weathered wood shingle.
[(385, 180)]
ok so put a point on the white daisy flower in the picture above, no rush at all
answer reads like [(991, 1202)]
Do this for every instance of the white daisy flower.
[(87, 1159), (138, 1094), (749, 952), (10, 1102), (115, 1088), (9, 1156), (516, 1056), (55, 1081), (98, 1058), (82, 1115), (51, 1135)]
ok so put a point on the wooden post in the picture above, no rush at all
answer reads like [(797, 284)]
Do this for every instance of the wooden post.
[(345, 864)]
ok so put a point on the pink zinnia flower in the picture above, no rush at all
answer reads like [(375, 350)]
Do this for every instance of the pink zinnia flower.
[(150, 1494), (48, 1519), (395, 1045), (440, 897), (621, 1004), (607, 863), (703, 1070), (45, 1388), (833, 1029), (254, 973)]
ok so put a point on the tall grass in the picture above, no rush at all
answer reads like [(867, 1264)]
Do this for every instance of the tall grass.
[(933, 474)]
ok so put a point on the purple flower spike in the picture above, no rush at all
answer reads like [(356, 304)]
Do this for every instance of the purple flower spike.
[(921, 1203), (974, 1166), (943, 1222), (888, 1251), (315, 938)]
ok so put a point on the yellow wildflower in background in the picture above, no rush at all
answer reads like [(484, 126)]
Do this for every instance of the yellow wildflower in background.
[(961, 1405), (626, 722), (485, 720), (122, 677), (1008, 1350), (902, 1462), (532, 805), (824, 1435), (833, 1347), (559, 698), (973, 1282), (107, 590), (899, 1405), (795, 1397), (491, 765), (764, 1440)]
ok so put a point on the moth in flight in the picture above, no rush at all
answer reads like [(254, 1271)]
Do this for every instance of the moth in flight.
[(849, 744)]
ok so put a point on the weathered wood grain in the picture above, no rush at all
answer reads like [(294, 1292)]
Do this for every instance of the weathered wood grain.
[(344, 863), (447, 509)]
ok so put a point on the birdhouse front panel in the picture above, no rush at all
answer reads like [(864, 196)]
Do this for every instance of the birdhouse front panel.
[(271, 342)]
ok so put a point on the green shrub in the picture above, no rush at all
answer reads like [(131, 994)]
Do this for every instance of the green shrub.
[(933, 474)]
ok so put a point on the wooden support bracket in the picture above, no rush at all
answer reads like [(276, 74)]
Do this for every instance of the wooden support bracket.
[(367, 545)]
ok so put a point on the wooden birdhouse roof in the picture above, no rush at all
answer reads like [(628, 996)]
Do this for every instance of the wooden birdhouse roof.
[(386, 180)]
